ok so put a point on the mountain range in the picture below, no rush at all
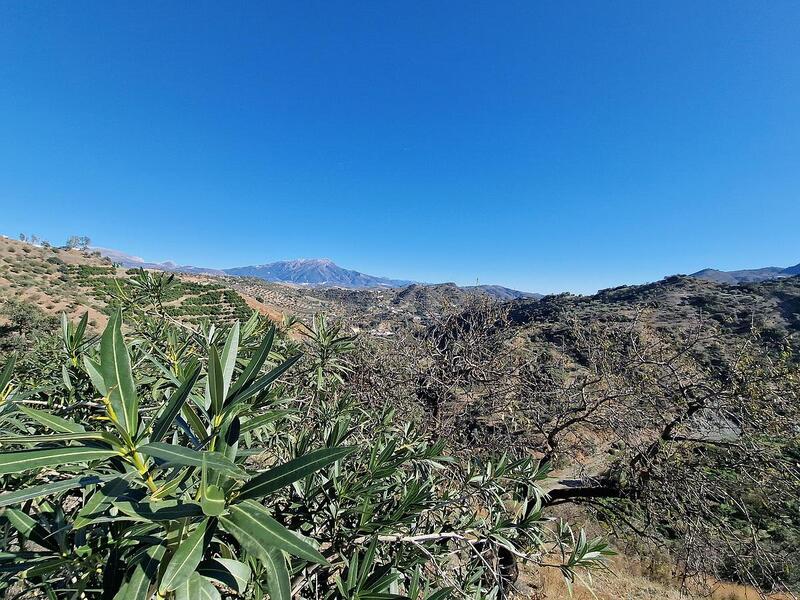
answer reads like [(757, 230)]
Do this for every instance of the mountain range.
[(322, 272), (747, 275), (314, 272)]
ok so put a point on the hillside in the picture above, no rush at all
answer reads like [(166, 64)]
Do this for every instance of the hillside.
[(72, 281), (674, 303), (58, 280), (747, 275)]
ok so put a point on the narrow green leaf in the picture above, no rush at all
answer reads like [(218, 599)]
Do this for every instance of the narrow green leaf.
[(8, 371), (100, 499), (46, 489), (48, 567), (93, 369), (254, 366), (16, 462), (257, 531), (65, 378), (143, 575), (51, 421), (163, 422), (228, 358), (196, 425), (60, 437), (186, 456), (115, 365), (292, 471), (262, 383), (278, 583), (163, 510), (215, 384), (65, 327), (185, 560), (81, 328), (30, 528), (265, 419)]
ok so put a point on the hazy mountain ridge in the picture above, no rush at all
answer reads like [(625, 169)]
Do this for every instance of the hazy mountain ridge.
[(746, 275), (130, 261), (310, 272)]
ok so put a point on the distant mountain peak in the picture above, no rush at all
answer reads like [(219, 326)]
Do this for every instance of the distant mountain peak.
[(316, 272)]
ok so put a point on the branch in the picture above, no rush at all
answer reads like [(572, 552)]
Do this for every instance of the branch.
[(562, 495)]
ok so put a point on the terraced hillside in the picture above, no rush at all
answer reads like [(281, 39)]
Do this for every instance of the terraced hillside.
[(71, 281)]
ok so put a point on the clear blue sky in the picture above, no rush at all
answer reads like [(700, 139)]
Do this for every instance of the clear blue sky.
[(544, 146)]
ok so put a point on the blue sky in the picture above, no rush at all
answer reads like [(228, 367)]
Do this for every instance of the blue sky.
[(546, 146)]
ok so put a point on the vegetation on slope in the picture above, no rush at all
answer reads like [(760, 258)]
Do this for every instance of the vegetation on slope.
[(667, 411), (190, 463)]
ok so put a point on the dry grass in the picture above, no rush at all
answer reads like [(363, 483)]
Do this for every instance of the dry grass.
[(624, 582), (629, 580)]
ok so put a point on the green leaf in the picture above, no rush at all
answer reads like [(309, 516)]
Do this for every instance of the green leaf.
[(144, 573), (257, 531), (46, 489), (442, 594), (16, 462), (47, 568), (278, 583), (228, 358), (60, 437), (8, 371), (234, 574), (66, 379), (101, 497), (194, 421), (30, 528), (213, 501), (197, 587), (215, 383), (262, 383), (81, 328), (163, 510), (65, 327), (292, 471), (261, 420), (254, 366), (162, 423), (186, 456), (185, 560), (115, 365), (93, 369), (51, 421)]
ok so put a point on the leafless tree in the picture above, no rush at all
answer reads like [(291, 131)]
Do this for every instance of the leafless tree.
[(687, 435)]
